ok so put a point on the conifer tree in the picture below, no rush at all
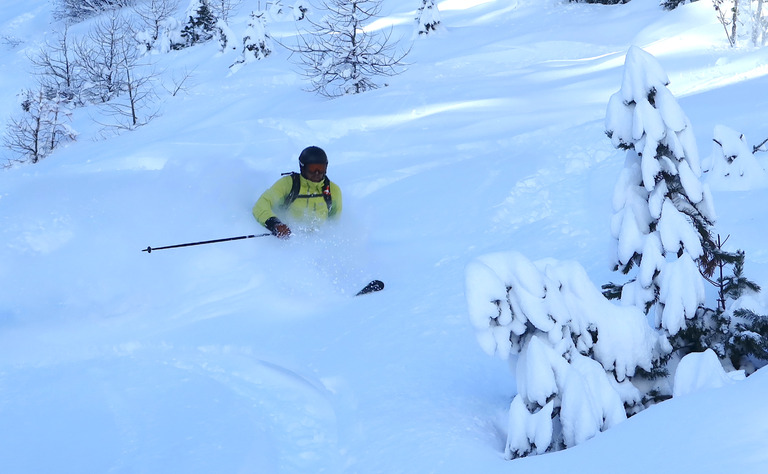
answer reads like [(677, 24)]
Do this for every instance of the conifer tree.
[(663, 226), (256, 44), (750, 338), (663, 213), (428, 17), (734, 335), (200, 27), (340, 56), (576, 353)]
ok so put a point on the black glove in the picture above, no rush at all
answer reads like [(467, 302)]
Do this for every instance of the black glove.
[(277, 228)]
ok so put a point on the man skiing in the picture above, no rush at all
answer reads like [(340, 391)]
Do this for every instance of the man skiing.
[(306, 199)]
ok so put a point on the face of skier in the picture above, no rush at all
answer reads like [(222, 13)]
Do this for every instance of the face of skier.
[(314, 172)]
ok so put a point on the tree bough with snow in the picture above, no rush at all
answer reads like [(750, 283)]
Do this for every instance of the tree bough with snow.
[(256, 41), (200, 27), (663, 213), (428, 17), (734, 166), (576, 351)]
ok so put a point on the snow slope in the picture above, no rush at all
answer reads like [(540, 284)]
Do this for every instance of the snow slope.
[(252, 356)]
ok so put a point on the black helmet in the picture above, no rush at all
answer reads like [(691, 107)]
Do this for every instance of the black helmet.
[(313, 155)]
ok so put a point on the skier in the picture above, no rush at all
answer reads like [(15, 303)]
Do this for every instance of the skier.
[(307, 198)]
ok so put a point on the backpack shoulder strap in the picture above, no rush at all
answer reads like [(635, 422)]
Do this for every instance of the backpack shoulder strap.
[(296, 184), (327, 193)]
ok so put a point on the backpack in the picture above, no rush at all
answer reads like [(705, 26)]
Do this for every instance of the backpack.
[(294, 194)]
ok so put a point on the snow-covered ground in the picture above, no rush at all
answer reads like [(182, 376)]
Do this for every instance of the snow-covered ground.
[(253, 356)]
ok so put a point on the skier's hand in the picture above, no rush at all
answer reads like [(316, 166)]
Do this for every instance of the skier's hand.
[(282, 231), (277, 228)]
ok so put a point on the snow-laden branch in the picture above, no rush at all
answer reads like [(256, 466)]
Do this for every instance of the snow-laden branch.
[(575, 350)]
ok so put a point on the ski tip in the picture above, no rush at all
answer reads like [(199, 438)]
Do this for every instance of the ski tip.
[(374, 286)]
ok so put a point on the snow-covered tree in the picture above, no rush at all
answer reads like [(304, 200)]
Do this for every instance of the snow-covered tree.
[(428, 17), (300, 10), (170, 36), (663, 212), (81, 9), (744, 21), (758, 22), (734, 166), (672, 4), (256, 42), (58, 69), (200, 26), (227, 38), (99, 56), (575, 350), (40, 128), (155, 15), (749, 342), (603, 2), (275, 10), (735, 333), (340, 56), (222, 8)]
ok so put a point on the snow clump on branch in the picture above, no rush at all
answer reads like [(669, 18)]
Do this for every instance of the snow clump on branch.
[(576, 351)]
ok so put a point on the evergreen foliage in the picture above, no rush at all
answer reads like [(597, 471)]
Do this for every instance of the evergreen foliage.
[(663, 212), (256, 40), (76, 10), (428, 17), (672, 4), (750, 338), (200, 26), (734, 335), (576, 353)]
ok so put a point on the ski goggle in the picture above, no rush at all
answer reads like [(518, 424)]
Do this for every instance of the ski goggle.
[(316, 168)]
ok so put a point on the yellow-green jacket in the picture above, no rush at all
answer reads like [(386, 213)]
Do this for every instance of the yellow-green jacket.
[(304, 211)]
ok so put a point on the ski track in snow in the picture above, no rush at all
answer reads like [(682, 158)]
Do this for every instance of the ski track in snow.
[(285, 420)]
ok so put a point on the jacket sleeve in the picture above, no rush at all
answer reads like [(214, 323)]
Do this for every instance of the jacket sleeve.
[(272, 199)]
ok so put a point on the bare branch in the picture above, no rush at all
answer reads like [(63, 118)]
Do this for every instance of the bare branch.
[(759, 147)]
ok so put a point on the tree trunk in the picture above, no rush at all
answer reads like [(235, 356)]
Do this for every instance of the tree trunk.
[(758, 27), (735, 20)]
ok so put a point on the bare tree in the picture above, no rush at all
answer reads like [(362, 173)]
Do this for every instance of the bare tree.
[(222, 8), (39, 129), (10, 41), (153, 14), (80, 9), (56, 65), (117, 74), (743, 21), (99, 57), (341, 57), (135, 106), (180, 82), (759, 21)]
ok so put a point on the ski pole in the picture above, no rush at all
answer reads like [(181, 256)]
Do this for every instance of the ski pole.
[(150, 249)]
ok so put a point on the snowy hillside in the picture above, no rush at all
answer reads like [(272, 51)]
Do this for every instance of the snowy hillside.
[(253, 356)]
